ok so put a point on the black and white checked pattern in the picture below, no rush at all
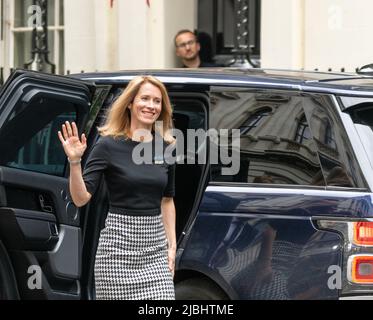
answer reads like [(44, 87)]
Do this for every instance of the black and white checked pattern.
[(131, 260)]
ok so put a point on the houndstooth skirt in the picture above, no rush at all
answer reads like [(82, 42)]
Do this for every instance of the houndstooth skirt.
[(131, 260)]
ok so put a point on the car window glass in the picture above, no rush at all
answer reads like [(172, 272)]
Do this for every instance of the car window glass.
[(30, 138), (333, 147), (276, 145), (366, 136), (362, 116), (189, 118), (100, 96)]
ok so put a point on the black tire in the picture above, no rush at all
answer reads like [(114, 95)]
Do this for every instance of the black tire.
[(198, 289)]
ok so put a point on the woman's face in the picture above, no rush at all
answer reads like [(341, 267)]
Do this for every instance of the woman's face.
[(146, 106)]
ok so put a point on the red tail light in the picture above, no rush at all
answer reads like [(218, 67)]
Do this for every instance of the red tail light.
[(362, 269), (363, 233)]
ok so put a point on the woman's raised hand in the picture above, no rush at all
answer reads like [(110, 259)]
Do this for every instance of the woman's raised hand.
[(73, 147)]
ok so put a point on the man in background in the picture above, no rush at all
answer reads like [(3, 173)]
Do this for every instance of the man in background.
[(188, 50)]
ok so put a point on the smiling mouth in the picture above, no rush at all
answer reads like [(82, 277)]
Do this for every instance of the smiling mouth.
[(147, 113)]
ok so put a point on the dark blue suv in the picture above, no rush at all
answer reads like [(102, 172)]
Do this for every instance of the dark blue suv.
[(290, 219)]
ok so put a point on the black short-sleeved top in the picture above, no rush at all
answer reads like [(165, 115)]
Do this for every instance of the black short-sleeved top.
[(134, 189)]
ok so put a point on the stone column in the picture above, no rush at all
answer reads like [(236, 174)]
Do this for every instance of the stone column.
[(80, 48), (282, 36)]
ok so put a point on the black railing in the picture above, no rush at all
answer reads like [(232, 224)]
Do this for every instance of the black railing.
[(40, 60), (234, 29), (242, 45)]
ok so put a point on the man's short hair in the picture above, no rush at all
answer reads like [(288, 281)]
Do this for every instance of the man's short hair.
[(184, 31)]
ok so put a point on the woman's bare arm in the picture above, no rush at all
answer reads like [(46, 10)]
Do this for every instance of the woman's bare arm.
[(169, 221), (78, 190), (74, 150)]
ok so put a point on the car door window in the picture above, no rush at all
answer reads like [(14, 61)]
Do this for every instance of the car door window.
[(276, 145), (334, 149), (361, 112), (30, 139)]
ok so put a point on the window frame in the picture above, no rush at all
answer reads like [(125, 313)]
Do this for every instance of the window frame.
[(27, 89)]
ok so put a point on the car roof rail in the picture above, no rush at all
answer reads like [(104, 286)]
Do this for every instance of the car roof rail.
[(366, 69)]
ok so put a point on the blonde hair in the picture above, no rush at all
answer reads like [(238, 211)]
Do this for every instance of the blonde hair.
[(118, 120)]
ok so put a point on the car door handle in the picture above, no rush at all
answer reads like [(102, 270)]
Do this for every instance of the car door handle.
[(43, 205)]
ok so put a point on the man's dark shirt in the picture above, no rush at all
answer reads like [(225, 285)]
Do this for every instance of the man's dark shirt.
[(209, 64)]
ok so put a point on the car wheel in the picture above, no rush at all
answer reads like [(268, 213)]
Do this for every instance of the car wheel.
[(198, 289)]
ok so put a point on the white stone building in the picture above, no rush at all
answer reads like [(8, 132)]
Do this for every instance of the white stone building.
[(89, 35)]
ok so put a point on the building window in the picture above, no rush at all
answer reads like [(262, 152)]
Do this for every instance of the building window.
[(329, 138), (254, 120), (21, 34), (220, 26), (303, 131)]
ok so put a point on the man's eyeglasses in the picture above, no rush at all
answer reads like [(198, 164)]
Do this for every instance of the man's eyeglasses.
[(188, 43)]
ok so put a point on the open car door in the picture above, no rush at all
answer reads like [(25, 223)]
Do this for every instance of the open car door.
[(40, 228)]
